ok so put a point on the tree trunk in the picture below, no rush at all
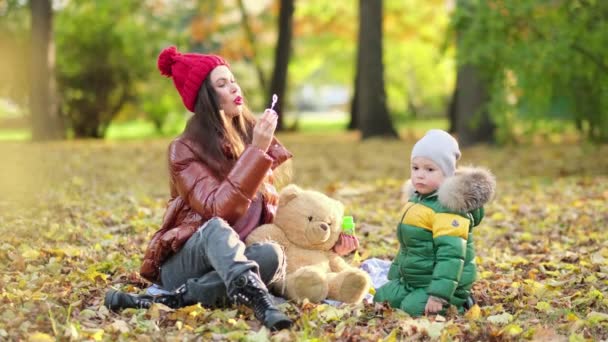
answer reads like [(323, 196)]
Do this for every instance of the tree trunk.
[(473, 124), (373, 118), (468, 112), (354, 108), (452, 114), (281, 61), (45, 121)]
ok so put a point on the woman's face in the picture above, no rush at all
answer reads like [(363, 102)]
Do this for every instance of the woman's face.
[(227, 90)]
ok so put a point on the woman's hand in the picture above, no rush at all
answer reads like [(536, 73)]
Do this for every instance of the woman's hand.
[(433, 305), (264, 130), (346, 244)]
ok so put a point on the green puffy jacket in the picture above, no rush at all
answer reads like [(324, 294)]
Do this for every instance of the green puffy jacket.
[(437, 254)]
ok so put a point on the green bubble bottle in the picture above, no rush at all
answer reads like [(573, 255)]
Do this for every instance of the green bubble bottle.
[(348, 225)]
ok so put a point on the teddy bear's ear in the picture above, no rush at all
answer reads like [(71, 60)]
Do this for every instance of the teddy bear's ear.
[(288, 193)]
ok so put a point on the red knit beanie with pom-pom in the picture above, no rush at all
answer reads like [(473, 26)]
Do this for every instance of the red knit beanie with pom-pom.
[(188, 71)]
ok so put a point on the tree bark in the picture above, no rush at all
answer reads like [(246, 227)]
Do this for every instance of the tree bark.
[(373, 117), (354, 107), (452, 113), (45, 121), (468, 111), (278, 84), (473, 124)]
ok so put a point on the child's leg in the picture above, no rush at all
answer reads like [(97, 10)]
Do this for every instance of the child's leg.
[(415, 302), (392, 292), (460, 297)]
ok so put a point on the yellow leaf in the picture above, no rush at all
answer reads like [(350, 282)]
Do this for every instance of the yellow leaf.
[(474, 313), (519, 260), (595, 294), (505, 266), (572, 317), (39, 296), (513, 329), (595, 317), (392, 337), (526, 237), (357, 258), (578, 204), (543, 306), (97, 335), (93, 274), (574, 337), (503, 318), (498, 216), (591, 279), (73, 332), (486, 274), (30, 254), (71, 251), (40, 337)]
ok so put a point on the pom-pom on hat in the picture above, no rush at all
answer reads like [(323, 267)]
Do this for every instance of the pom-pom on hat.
[(440, 147), (188, 70)]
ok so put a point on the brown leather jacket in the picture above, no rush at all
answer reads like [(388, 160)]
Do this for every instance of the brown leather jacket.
[(197, 196)]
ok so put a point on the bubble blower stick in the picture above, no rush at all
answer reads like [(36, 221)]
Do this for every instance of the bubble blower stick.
[(275, 98)]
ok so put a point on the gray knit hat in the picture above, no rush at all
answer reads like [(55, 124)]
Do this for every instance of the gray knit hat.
[(440, 147)]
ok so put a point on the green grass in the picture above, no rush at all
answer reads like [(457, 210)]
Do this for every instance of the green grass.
[(14, 134), (142, 129)]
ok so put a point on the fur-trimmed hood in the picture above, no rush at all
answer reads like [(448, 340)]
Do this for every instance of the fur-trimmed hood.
[(468, 189)]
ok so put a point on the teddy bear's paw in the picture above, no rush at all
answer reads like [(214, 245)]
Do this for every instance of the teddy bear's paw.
[(309, 284), (354, 286)]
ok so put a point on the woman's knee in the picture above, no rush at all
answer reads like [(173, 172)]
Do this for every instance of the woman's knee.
[(266, 254), (215, 223), (215, 226), (270, 258)]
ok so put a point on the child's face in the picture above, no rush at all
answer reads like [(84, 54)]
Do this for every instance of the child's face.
[(426, 175)]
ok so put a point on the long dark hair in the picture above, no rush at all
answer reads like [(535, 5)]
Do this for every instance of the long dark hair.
[(219, 141)]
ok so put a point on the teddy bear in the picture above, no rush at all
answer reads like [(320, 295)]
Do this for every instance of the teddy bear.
[(307, 224)]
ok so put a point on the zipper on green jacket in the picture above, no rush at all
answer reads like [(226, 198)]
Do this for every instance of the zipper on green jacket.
[(400, 238)]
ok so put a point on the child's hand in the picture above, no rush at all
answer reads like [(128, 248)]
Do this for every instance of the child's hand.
[(433, 305), (346, 244)]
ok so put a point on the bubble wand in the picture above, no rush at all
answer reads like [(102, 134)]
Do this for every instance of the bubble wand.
[(275, 98)]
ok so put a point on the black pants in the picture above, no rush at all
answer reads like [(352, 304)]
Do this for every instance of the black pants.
[(213, 257)]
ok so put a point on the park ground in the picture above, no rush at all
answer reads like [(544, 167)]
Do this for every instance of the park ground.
[(75, 217)]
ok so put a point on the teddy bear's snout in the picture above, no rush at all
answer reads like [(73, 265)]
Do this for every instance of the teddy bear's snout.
[(324, 226)]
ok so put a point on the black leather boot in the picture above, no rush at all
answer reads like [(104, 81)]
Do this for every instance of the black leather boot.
[(117, 300), (249, 290)]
